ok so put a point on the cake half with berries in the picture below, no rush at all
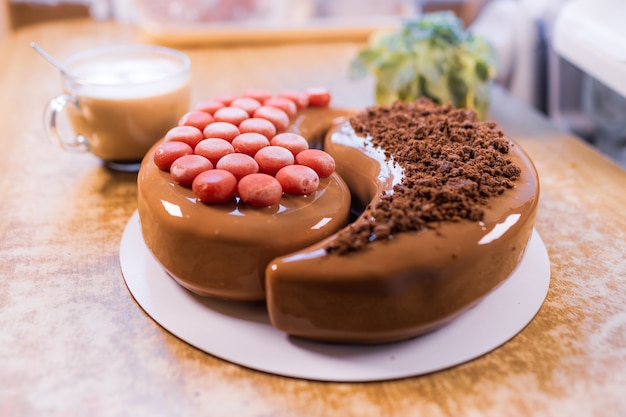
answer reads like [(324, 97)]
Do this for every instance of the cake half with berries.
[(237, 183)]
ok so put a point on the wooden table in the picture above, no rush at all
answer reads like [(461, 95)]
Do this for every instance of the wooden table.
[(73, 342)]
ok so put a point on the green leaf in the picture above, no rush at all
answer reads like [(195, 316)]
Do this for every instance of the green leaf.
[(482, 70)]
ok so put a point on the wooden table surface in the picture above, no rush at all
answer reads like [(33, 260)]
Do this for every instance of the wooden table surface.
[(73, 342)]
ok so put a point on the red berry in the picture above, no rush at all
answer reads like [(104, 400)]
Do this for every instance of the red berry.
[(298, 180), (234, 115), (320, 161), (215, 186), (196, 118), (167, 152), (221, 130), (246, 103), (292, 141), (214, 149), (259, 190), (250, 143), (272, 158), (318, 97), (258, 125), (283, 103), (298, 97), (275, 115), (239, 164), (187, 167), (188, 134)]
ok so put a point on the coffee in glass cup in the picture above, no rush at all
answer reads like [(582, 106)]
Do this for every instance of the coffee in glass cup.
[(119, 101)]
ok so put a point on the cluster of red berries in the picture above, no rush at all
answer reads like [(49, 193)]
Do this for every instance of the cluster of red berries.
[(236, 146)]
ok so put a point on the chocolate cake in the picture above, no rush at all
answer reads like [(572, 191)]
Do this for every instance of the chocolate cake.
[(442, 208)]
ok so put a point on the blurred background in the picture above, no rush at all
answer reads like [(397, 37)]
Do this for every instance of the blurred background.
[(565, 58)]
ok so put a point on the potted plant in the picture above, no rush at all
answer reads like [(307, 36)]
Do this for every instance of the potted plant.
[(432, 56)]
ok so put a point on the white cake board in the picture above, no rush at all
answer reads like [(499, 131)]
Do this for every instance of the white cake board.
[(241, 332)]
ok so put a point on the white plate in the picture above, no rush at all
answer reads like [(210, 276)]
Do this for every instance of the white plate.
[(241, 333)]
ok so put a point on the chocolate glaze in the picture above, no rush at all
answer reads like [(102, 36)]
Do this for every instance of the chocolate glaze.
[(392, 290), (413, 283)]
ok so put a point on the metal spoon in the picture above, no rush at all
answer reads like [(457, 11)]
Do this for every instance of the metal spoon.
[(53, 61)]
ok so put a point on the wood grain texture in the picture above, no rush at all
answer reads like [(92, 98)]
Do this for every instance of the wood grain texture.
[(73, 342)]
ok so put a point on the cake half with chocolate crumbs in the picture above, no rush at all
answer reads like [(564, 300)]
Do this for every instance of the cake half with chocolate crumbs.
[(452, 164), (445, 208)]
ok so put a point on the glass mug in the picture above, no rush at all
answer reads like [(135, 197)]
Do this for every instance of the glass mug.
[(119, 101)]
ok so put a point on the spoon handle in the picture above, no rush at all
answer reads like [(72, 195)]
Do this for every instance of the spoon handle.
[(51, 60)]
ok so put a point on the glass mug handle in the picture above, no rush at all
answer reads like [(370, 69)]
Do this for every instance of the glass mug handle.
[(54, 109)]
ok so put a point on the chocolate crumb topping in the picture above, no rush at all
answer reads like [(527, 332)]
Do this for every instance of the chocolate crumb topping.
[(453, 163)]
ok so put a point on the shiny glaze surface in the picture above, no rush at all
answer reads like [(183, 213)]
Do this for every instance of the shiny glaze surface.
[(410, 284), (222, 250)]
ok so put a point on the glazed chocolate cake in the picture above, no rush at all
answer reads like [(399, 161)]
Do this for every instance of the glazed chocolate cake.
[(442, 208)]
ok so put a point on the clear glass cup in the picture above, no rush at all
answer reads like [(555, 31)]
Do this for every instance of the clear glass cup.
[(119, 101)]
